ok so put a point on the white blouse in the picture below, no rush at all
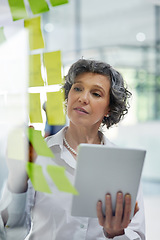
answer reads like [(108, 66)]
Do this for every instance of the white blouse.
[(47, 216)]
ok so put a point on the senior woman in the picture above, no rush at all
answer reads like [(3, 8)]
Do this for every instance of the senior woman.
[(95, 95)]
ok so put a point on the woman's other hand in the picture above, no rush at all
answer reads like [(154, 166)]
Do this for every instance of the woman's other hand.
[(17, 177), (114, 225)]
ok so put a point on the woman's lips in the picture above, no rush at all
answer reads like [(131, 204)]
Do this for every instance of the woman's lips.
[(81, 110)]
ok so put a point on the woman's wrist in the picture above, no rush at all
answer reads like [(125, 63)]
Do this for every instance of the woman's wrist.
[(107, 235)]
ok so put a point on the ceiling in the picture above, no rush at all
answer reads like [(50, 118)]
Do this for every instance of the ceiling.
[(123, 32)]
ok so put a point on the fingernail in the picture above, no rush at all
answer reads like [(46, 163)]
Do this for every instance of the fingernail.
[(120, 195), (99, 202), (108, 195), (128, 197)]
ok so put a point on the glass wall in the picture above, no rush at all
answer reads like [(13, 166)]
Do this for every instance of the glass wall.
[(126, 35)]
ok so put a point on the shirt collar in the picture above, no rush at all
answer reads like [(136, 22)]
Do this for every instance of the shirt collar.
[(57, 140)]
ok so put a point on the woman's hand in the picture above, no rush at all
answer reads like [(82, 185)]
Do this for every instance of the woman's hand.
[(18, 178), (114, 225)]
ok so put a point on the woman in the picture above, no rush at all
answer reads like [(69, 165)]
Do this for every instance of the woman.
[(95, 94)]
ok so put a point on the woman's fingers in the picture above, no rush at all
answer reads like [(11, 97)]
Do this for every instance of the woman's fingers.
[(118, 211), (114, 224), (127, 211), (100, 213), (32, 155), (105, 220), (108, 211)]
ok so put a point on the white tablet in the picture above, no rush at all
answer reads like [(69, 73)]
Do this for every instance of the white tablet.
[(102, 170)]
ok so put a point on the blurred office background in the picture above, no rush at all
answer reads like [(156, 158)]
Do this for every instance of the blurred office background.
[(126, 34)]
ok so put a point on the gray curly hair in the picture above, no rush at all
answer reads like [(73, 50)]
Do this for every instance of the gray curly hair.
[(119, 94)]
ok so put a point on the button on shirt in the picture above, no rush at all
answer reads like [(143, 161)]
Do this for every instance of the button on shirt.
[(50, 213)]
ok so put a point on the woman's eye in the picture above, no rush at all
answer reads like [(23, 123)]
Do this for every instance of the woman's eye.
[(77, 89), (96, 94)]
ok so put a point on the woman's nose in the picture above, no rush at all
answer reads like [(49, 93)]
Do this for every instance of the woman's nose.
[(84, 97)]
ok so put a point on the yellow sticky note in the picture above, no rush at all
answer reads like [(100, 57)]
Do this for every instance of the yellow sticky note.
[(55, 108), (60, 180), (37, 178), (35, 77), (35, 114), (39, 6), (16, 144), (2, 36), (35, 34), (58, 2), (39, 144), (52, 61)]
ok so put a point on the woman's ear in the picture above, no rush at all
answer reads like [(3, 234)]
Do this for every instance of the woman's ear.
[(107, 113)]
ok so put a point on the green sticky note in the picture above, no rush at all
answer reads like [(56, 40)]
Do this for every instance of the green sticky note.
[(37, 178), (2, 36), (35, 34), (16, 138), (58, 2), (55, 108), (38, 142), (39, 6), (18, 9), (35, 114), (52, 62), (60, 180), (35, 77)]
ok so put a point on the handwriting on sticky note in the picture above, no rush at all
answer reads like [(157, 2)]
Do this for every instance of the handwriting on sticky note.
[(35, 77), (59, 178), (35, 34), (37, 178), (38, 142), (35, 114), (55, 108), (52, 61), (18, 9), (39, 6)]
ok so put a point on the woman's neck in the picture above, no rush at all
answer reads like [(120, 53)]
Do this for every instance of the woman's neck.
[(76, 135)]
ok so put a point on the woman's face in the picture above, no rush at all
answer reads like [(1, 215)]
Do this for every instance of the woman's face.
[(88, 99)]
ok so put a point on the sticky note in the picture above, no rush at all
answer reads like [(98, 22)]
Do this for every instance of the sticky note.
[(2, 36), (55, 108), (52, 62), (39, 6), (35, 34), (35, 77), (16, 138), (35, 114), (39, 144), (60, 180), (37, 178), (58, 2), (18, 9)]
